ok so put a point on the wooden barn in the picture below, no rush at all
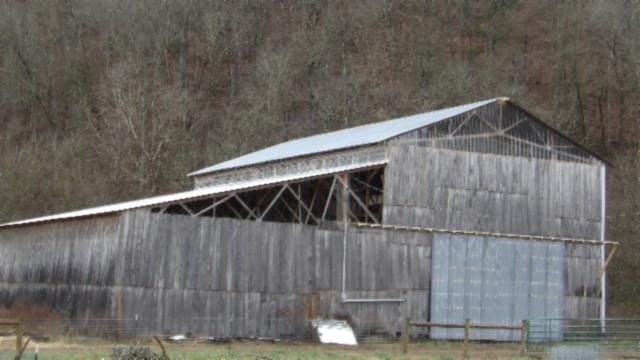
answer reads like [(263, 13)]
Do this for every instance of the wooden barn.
[(479, 211)]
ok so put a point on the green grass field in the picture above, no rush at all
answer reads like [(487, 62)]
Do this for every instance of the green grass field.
[(90, 350)]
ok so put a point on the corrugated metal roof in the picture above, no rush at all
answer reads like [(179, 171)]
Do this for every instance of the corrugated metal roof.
[(195, 194), (342, 139)]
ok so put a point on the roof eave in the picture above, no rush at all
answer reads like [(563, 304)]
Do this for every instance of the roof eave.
[(242, 167)]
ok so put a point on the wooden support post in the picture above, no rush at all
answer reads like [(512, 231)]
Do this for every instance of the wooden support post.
[(342, 205), (19, 333), (523, 338), (119, 313), (300, 202), (406, 336), (467, 328), (366, 197)]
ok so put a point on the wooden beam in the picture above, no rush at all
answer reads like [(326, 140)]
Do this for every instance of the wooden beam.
[(483, 233), (606, 263), (275, 199), (301, 203), (235, 212), (518, 122), (292, 211), (284, 218), (244, 205), (326, 205), (464, 122), (182, 205), (313, 200), (264, 196), (212, 206), (363, 206), (367, 185)]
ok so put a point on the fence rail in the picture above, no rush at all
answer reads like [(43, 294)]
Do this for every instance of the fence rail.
[(607, 335), (536, 335), (467, 326), (18, 327)]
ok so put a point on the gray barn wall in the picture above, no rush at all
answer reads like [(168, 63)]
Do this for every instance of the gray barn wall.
[(459, 190), (218, 277), (69, 266)]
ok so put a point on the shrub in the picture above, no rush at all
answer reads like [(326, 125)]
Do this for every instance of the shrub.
[(135, 352)]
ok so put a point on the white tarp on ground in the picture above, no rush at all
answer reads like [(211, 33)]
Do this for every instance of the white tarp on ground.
[(334, 332)]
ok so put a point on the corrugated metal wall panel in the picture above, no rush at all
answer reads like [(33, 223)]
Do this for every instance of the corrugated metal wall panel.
[(494, 281)]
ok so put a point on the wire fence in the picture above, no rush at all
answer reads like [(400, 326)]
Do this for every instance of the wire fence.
[(541, 337), (205, 329), (605, 336)]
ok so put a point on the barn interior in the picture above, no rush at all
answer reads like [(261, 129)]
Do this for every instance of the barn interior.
[(311, 201)]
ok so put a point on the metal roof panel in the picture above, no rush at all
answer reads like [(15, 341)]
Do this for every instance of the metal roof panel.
[(195, 194), (342, 139)]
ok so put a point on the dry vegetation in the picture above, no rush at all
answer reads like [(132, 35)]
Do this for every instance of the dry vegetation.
[(103, 101)]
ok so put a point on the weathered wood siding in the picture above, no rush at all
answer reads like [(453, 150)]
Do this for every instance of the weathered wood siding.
[(210, 276), (459, 190), (69, 266)]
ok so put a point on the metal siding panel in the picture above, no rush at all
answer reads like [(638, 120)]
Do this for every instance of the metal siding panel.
[(457, 282), (494, 281), (440, 284), (522, 284), (490, 286), (504, 288), (538, 281), (555, 284), (473, 293)]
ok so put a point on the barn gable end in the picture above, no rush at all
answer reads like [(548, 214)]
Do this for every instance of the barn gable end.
[(494, 126)]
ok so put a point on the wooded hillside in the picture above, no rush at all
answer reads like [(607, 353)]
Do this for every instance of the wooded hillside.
[(102, 101)]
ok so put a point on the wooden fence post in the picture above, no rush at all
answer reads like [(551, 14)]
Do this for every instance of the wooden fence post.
[(523, 337), (405, 335), (19, 331), (467, 328)]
